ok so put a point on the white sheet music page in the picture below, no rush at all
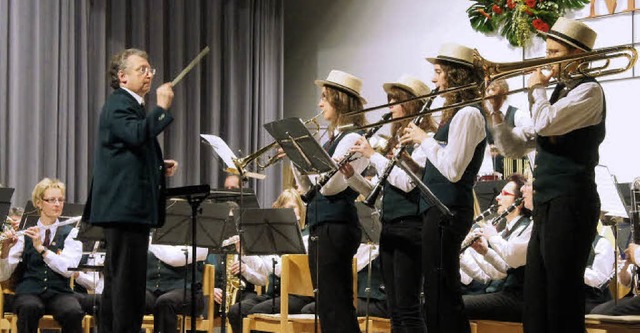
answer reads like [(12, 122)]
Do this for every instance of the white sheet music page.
[(221, 148), (610, 199)]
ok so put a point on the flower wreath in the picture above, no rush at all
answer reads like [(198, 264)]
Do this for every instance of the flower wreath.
[(518, 20)]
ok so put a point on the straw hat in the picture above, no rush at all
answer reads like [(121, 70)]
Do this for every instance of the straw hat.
[(574, 33), (408, 83), (343, 81), (454, 53)]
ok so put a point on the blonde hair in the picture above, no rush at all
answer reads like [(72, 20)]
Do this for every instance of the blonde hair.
[(37, 195), (291, 194)]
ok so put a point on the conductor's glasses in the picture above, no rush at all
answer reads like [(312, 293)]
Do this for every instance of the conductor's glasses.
[(146, 70)]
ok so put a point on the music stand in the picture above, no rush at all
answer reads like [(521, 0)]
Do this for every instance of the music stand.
[(371, 226), (301, 147), (5, 200), (247, 197), (271, 231)]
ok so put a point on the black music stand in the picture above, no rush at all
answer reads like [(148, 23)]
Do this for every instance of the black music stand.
[(5, 200), (176, 230), (301, 147), (271, 231), (247, 197), (371, 226)]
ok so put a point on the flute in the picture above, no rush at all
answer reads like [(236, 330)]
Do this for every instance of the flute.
[(68, 221)]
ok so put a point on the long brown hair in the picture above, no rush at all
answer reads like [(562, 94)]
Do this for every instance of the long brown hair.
[(410, 108), (343, 102), (456, 76)]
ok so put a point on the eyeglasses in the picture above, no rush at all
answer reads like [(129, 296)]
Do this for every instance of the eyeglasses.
[(505, 193), (146, 70), (54, 201)]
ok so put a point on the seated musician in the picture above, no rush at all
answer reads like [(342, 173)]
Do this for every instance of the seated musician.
[(45, 251), (507, 252), (630, 304), (599, 271), (167, 269), (269, 302)]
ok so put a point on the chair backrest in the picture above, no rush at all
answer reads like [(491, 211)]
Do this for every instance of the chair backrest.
[(296, 276)]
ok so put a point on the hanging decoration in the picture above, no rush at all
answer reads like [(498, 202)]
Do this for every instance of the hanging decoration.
[(518, 20)]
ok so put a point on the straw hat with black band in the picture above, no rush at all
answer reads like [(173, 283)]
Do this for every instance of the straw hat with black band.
[(409, 84), (345, 82), (573, 33), (454, 53)]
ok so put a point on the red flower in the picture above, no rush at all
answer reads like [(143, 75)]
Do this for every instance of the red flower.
[(541, 25), (530, 3), (496, 9), (511, 4)]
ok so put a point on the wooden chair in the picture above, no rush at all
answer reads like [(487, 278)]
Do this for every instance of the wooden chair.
[(492, 326), (376, 324), (202, 324), (5, 317), (612, 324), (295, 279)]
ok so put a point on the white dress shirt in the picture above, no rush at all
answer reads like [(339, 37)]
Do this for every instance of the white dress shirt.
[(92, 280), (602, 269), (466, 131), (397, 176), (512, 252), (59, 262)]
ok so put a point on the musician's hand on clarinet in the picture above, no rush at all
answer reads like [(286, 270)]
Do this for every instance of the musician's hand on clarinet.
[(164, 96), (413, 134), (347, 170), (480, 245), (363, 147), (489, 230), (170, 167)]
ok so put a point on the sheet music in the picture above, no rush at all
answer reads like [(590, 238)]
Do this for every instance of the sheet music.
[(221, 148), (610, 199)]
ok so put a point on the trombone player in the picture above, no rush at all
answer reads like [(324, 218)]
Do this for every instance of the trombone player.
[(567, 130), (454, 155)]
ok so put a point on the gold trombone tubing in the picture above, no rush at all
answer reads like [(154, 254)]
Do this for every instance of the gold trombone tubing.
[(574, 66)]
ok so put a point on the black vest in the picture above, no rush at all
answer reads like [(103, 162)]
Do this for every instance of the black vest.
[(162, 277), (565, 163), (457, 194), (397, 203), (38, 276), (593, 294), (334, 208)]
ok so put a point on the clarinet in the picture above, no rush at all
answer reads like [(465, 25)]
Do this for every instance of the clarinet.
[(370, 200), (324, 178), (492, 209), (470, 240)]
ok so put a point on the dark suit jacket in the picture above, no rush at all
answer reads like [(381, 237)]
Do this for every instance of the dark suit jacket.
[(128, 173)]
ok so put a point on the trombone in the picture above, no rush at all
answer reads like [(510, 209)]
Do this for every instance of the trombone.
[(241, 163), (572, 67)]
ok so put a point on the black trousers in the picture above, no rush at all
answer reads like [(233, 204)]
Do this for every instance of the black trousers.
[(65, 309), (166, 306), (501, 306), (125, 275), (441, 241), (331, 250), (376, 307), (629, 305), (554, 296), (263, 304), (401, 261)]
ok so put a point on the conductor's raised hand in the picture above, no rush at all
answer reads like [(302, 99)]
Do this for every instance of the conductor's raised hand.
[(164, 96)]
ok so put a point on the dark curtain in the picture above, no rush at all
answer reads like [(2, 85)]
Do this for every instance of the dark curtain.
[(53, 83)]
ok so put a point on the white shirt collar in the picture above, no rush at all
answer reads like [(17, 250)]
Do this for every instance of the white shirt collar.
[(138, 98), (511, 223)]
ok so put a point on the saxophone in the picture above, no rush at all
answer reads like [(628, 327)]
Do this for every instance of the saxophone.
[(234, 283)]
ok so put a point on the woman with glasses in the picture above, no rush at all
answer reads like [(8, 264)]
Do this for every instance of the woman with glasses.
[(43, 255), (506, 254)]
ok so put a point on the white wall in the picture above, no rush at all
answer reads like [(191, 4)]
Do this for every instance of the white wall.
[(378, 40)]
